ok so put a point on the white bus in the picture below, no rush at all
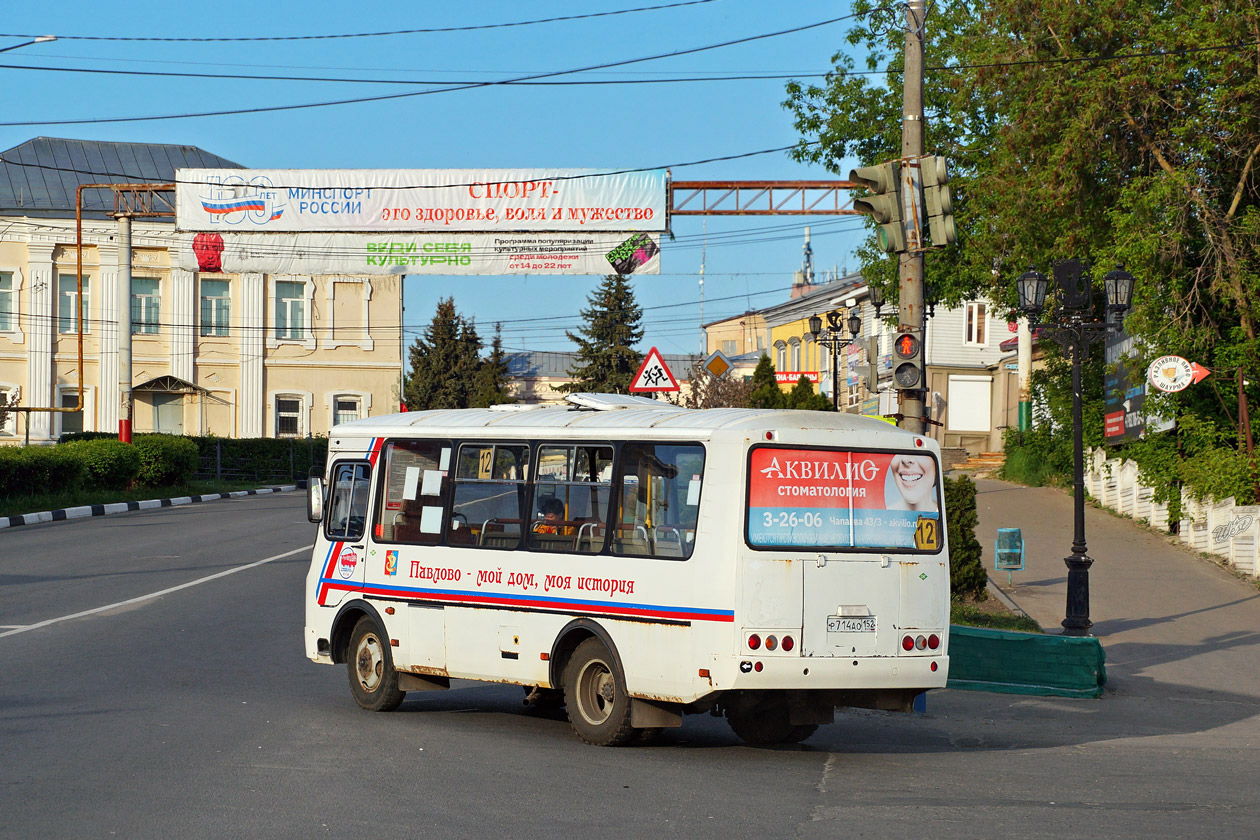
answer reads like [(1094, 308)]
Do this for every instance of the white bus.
[(634, 561)]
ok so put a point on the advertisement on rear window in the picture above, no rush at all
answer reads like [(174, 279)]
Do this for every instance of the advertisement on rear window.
[(828, 498)]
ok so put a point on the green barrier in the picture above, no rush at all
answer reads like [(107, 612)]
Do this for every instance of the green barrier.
[(1008, 662)]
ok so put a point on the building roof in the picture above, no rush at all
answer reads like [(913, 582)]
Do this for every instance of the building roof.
[(814, 301), (41, 176), (555, 364)]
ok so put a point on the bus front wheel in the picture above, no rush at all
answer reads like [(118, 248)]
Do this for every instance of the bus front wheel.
[(373, 680), (595, 696)]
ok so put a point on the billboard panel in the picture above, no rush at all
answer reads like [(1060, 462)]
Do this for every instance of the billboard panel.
[(419, 200), (361, 254), (841, 499)]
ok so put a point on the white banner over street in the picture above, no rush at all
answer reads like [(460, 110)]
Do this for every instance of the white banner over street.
[(361, 254), (419, 200)]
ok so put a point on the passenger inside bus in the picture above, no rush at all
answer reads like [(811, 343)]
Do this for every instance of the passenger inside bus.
[(552, 512)]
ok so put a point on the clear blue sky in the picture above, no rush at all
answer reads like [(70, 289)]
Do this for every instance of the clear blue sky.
[(750, 260)]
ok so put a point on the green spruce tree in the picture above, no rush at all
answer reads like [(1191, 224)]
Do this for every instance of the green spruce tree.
[(444, 361), (491, 386), (765, 389), (606, 357)]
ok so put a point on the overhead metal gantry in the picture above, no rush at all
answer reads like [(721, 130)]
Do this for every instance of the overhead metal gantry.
[(761, 198)]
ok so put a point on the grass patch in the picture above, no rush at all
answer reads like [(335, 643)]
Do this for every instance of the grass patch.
[(990, 613), (36, 502)]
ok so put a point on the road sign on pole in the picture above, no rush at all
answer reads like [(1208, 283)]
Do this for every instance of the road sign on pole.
[(653, 375)]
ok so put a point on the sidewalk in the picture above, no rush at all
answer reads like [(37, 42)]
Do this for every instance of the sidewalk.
[(1166, 617)]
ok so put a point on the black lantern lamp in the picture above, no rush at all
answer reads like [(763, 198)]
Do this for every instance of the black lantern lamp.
[(854, 322), (1032, 293), (815, 326), (1074, 327), (1119, 286), (877, 299)]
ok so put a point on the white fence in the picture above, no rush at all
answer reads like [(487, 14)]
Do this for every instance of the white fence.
[(1223, 528)]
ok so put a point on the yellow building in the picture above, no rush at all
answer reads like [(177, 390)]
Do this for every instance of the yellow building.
[(235, 355)]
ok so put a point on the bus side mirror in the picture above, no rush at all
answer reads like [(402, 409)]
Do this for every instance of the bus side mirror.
[(315, 499)]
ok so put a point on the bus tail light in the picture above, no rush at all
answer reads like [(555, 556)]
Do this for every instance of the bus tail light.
[(754, 642), (907, 643), (934, 642), (787, 643), (920, 642), (771, 643)]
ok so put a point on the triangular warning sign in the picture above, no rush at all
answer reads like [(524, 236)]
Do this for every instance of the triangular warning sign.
[(653, 375)]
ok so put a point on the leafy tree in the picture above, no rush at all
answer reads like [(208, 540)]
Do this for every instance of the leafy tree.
[(606, 357), (491, 383), (802, 396), (444, 362), (1118, 132), (709, 391)]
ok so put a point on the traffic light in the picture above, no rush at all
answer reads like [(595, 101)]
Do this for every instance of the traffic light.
[(883, 204), (939, 202), (907, 359), (869, 371)]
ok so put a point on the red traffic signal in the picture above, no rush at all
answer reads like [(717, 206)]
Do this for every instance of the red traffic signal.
[(906, 346)]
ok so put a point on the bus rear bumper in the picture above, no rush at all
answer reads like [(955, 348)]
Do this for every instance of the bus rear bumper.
[(829, 673)]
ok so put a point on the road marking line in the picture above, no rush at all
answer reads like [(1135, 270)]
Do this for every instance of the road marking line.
[(11, 626), (158, 594)]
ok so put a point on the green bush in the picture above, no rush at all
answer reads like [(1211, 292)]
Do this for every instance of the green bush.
[(165, 460), (37, 469), (967, 576), (108, 463)]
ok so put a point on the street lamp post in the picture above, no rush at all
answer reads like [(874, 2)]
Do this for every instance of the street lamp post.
[(1074, 326), (835, 339)]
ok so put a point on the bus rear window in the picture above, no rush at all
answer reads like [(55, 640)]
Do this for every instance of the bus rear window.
[(843, 499)]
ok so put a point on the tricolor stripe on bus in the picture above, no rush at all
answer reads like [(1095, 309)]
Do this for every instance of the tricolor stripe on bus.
[(570, 605)]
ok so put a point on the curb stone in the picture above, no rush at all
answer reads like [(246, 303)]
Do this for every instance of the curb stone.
[(84, 511)]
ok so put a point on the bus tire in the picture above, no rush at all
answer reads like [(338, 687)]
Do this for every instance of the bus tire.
[(373, 680), (595, 696), (767, 725)]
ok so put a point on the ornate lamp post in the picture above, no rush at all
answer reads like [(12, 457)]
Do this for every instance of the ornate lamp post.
[(1074, 326), (834, 339)]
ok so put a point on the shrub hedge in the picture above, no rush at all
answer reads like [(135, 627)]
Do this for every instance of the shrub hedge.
[(37, 469), (165, 460), (967, 576), (108, 463)]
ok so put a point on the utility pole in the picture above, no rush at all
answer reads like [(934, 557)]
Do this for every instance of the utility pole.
[(910, 302)]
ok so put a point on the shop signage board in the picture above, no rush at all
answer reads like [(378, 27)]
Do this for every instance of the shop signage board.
[(420, 200)]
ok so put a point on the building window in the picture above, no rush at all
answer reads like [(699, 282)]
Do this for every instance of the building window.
[(145, 303), (9, 395), (796, 355), (8, 302), (71, 421), (288, 416), (728, 347), (216, 307), (66, 295), (345, 409), (780, 356), (977, 324), (291, 310)]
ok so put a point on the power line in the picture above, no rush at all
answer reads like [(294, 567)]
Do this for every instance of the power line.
[(435, 30), (450, 89)]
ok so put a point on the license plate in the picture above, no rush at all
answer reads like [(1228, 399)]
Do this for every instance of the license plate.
[(840, 624)]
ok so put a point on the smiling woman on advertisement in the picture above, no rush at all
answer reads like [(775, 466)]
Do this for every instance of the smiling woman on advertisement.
[(913, 477)]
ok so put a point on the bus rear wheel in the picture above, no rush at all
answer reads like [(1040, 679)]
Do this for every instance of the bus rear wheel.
[(767, 724), (595, 696), (373, 680)]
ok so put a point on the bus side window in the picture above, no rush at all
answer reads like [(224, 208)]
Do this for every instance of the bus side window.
[(660, 499), (348, 501), (489, 494), (571, 490), (413, 492)]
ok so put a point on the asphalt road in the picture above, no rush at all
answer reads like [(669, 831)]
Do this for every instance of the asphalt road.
[(195, 714)]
